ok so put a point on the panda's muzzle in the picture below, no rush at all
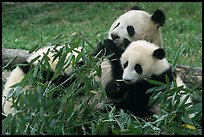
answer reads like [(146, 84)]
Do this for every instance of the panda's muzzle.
[(114, 36)]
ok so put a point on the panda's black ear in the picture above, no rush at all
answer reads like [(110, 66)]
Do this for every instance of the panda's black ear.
[(159, 53), (158, 17), (135, 8)]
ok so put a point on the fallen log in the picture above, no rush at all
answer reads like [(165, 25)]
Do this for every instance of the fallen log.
[(10, 57), (191, 76)]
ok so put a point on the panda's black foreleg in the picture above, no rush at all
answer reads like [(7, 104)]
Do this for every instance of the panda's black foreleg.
[(108, 47), (64, 80), (25, 67), (112, 48), (101, 50), (116, 69), (114, 90)]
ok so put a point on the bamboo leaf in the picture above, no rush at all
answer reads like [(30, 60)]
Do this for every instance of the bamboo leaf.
[(181, 49)]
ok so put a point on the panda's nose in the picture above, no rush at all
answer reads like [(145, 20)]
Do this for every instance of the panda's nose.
[(114, 36)]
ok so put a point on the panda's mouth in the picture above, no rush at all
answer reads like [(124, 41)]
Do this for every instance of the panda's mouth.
[(119, 45), (127, 82), (122, 44), (117, 42)]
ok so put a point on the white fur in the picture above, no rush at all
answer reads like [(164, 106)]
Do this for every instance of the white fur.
[(144, 27), (17, 74), (15, 77)]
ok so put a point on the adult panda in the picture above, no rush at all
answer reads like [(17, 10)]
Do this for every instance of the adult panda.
[(64, 79), (137, 24), (131, 70), (133, 25)]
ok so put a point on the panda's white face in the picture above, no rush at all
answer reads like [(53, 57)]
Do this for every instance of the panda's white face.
[(139, 62), (134, 25)]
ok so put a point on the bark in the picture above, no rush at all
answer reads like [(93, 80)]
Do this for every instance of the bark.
[(11, 57), (192, 76)]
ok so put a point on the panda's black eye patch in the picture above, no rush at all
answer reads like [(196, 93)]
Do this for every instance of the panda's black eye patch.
[(131, 31), (138, 68), (117, 25), (126, 64)]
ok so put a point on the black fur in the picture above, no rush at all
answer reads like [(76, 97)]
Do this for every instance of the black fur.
[(114, 36), (134, 98), (126, 43), (65, 79), (108, 47), (81, 63), (116, 25), (138, 68), (25, 67), (131, 31), (114, 90), (162, 77), (135, 8), (158, 17), (159, 53)]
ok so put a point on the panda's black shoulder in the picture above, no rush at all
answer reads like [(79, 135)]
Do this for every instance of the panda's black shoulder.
[(135, 8), (25, 67)]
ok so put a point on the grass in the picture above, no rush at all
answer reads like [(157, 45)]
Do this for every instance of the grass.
[(25, 25)]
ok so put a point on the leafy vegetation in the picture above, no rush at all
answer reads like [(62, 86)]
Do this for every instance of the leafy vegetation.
[(33, 25)]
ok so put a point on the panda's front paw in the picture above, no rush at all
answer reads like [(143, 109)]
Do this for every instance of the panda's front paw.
[(113, 90), (104, 48), (108, 45)]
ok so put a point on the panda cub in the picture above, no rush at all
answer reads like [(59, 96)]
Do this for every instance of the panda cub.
[(65, 79), (137, 24), (130, 68)]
